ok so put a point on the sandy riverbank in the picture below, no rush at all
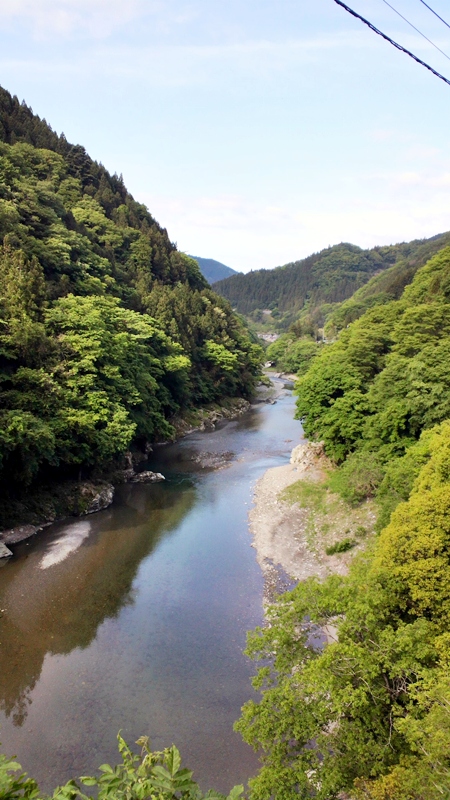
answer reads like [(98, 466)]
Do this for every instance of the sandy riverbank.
[(288, 536)]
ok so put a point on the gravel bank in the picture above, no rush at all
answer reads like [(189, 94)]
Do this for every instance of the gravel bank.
[(282, 531)]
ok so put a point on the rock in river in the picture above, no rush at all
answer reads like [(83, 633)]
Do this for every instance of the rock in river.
[(147, 477), (96, 496)]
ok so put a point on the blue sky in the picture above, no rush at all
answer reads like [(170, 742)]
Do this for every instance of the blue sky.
[(256, 132)]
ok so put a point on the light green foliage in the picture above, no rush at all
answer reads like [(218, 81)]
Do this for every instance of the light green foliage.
[(388, 375), (148, 776), (111, 372), (413, 555), (89, 213), (218, 355), (291, 354), (14, 784), (101, 382), (357, 478), (106, 330), (368, 715)]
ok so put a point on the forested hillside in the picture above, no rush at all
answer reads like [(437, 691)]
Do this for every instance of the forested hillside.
[(306, 291), (106, 330), (376, 701)]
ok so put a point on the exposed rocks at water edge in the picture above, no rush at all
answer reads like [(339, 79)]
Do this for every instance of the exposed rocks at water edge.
[(81, 499), (206, 419), (58, 501)]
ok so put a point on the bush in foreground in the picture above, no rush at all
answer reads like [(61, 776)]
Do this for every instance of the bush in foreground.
[(148, 776)]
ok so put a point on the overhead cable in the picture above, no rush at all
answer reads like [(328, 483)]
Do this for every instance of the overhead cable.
[(416, 29), (435, 13), (391, 41)]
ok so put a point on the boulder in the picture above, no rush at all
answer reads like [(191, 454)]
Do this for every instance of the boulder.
[(4, 551), (308, 453), (96, 496), (147, 476)]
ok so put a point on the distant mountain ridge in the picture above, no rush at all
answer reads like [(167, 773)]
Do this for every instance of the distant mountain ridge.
[(213, 270), (314, 286)]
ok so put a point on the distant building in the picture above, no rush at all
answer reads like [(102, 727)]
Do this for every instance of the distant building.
[(269, 337)]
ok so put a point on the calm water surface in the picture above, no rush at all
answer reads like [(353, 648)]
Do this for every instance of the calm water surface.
[(135, 618)]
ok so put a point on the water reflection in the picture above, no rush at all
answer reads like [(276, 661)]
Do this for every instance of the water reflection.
[(60, 605), (71, 538), (141, 626)]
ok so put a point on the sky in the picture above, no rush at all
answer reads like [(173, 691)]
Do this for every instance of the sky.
[(256, 132)]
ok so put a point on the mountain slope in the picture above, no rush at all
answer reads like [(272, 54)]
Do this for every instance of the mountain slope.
[(213, 270), (386, 286), (310, 287), (106, 330)]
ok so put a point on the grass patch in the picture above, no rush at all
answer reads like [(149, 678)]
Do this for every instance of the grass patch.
[(307, 494), (329, 523)]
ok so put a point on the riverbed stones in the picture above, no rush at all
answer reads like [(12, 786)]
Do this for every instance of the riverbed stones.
[(207, 460)]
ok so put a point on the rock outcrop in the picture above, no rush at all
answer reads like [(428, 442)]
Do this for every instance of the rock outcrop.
[(95, 497)]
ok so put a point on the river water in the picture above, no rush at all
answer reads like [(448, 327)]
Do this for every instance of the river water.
[(135, 618)]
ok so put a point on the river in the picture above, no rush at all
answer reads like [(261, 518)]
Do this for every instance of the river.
[(135, 618)]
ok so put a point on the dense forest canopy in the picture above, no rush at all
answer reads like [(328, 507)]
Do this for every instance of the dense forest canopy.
[(387, 377), (106, 330), (308, 291), (368, 716)]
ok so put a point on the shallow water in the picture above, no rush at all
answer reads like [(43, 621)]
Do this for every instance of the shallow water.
[(135, 618)]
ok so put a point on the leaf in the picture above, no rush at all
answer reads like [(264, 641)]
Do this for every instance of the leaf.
[(174, 760), (235, 792)]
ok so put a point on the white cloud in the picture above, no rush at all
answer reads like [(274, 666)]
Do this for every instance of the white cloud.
[(95, 17), (182, 65), (250, 235)]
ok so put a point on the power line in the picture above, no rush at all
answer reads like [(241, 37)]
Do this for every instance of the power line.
[(416, 29), (435, 13), (391, 41)]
